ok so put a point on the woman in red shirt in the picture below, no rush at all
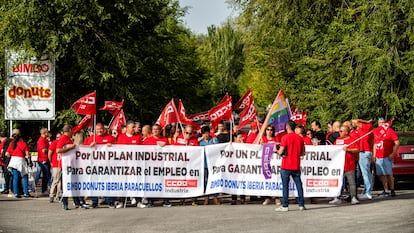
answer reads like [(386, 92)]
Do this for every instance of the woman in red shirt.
[(18, 151)]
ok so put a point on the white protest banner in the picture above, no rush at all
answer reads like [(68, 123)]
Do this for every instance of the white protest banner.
[(133, 170), (237, 169)]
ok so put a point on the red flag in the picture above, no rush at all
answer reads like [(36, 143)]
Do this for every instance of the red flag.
[(248, 114), (117, 123), (183, 118), (168, 115), (223, 111), (113, 107), (245, 101), (202, 116), (225, 98), (86, 105), (298, 117), (85, 123)]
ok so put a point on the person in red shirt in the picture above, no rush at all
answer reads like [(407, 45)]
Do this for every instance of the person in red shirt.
[(269, 136), (129, 137), (300, 130), (351, 155), (386, 144), (42, 159), (157, 139), (64, 145), (20, 160), (254, 131), (365, 154), (56, 164), (100, 138), (187, 138), (295, 148)]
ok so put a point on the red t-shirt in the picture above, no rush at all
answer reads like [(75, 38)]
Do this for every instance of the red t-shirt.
[(384, 142), (42, 143), (63, 141), (56, 158), (100, 139), (365, 144), (267, 140), (295, 147), (126, 139), (154, 140), (280, 135), (350, 158), (20, 150), (250, 138), (307, 140), (180, 141)]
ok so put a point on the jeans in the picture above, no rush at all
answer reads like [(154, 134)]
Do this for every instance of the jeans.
[(45, 170), (109, 200), (285, 175), (365, 165), (25, 179)]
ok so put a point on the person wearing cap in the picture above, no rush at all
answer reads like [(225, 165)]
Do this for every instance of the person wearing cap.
[(254, 131)]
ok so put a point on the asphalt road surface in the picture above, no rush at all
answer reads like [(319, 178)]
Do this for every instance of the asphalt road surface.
[(378, 215)]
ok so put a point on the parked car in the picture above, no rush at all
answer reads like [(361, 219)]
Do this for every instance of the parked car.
[(403, 167)]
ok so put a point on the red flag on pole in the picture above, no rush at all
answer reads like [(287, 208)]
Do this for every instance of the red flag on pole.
[(116, 125), (223, 111), (168, 115), (298, 117), (86, 105), (225, 98), (85, 123), (202, 116), (245, 101), (113, 107), (248, 114), (183, 118)]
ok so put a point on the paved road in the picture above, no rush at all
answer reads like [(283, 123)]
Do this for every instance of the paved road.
[(378, 215)]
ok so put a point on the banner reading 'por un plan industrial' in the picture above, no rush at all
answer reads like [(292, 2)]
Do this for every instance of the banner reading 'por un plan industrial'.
[(178, 171)]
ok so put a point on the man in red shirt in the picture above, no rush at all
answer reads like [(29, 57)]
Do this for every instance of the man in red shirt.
[(254, 131), (64, 145), (42, 159), (129, 137), (351, 158), (156, 139), (56, 164), (293, 144), (100, 138), (365, 154), (386, 144), (187, 138)]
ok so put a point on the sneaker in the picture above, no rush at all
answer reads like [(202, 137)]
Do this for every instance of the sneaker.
[(166, 204), (94, 206), (336, 201), (194, 203), (282, 209), (111, 206), (364, 197), (133, 201), (27, 196), (17, 196), (141, 205), (384, 194), (65, 208), (51, 199), (266, 202), (5, 192), (392, 193), (354, 201), (119, 205), (84, 206), (278, 202), (302, 208)]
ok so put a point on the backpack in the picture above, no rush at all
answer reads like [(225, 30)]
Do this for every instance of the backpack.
[(5, 159)]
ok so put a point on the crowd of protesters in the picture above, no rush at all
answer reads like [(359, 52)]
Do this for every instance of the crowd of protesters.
[(362, 147)]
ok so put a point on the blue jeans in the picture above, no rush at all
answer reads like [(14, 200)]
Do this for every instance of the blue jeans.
[(45, 171), (109, 200), (25, 179), (285, 174), (365, 165)]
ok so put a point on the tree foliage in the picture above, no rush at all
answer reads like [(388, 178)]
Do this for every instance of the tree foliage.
[(133, 50), (334, 58)]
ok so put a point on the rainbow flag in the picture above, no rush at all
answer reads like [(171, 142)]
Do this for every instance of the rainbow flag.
[(277, 116)]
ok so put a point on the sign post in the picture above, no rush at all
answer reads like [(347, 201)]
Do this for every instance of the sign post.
[(30, 87)]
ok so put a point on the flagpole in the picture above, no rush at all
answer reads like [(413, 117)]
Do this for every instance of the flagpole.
[(94, 125)]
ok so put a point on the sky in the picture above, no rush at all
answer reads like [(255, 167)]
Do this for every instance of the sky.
[(203, 13)]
